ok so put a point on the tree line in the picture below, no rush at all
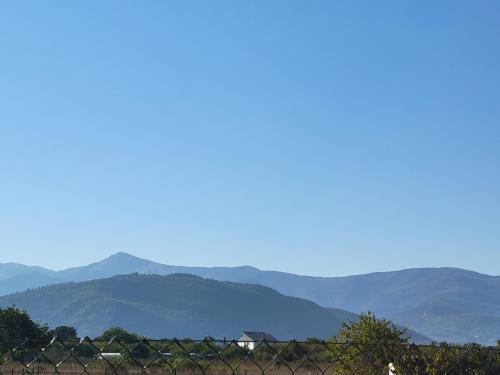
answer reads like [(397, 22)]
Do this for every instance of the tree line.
[(366, 346), (17, 324)]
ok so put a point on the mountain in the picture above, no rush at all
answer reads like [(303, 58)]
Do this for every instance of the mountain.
[(446, 304), (15, 277), (122, 263), (177, 305)]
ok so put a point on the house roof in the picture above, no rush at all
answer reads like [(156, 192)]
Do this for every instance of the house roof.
[(258, 336)]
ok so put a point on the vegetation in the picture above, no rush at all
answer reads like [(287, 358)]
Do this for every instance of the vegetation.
[(65, 333), (117, 333), (17, 324), (365, 346), (368, 345)]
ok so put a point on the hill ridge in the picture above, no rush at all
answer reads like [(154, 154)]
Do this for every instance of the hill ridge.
[(184, 305), (444, 303)]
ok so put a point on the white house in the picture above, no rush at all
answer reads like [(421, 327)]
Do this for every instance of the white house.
[(250, 340)]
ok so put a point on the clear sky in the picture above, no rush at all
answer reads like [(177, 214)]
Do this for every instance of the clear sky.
[(318, 137)]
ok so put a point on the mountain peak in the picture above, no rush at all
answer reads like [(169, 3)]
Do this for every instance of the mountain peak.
[(121, 255), (122, 260), (116, 264)]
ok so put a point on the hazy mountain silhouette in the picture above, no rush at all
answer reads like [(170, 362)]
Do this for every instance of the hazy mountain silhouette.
[(442, 303)]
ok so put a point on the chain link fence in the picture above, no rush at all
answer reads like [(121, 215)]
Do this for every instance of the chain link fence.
[(209, 356)]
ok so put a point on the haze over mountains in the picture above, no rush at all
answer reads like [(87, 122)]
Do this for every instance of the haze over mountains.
[(445, 304)]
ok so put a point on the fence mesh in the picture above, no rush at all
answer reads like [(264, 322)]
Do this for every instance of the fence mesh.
[(209, 356)]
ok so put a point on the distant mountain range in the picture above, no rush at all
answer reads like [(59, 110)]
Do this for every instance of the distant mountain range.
[(446, 304)]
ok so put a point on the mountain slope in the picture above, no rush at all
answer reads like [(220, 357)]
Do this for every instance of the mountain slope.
[(446, 304), (443, 303), (16, 277), (176, 305)]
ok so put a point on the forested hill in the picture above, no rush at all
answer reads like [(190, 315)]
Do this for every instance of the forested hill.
[(177, 305)]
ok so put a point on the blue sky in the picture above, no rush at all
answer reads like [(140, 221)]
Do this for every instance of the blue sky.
[(324, 138)]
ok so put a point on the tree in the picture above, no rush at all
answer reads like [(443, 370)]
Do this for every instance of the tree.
[(368, 345), (117, 333), (17, 324), (65, 333), (135, 347)]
